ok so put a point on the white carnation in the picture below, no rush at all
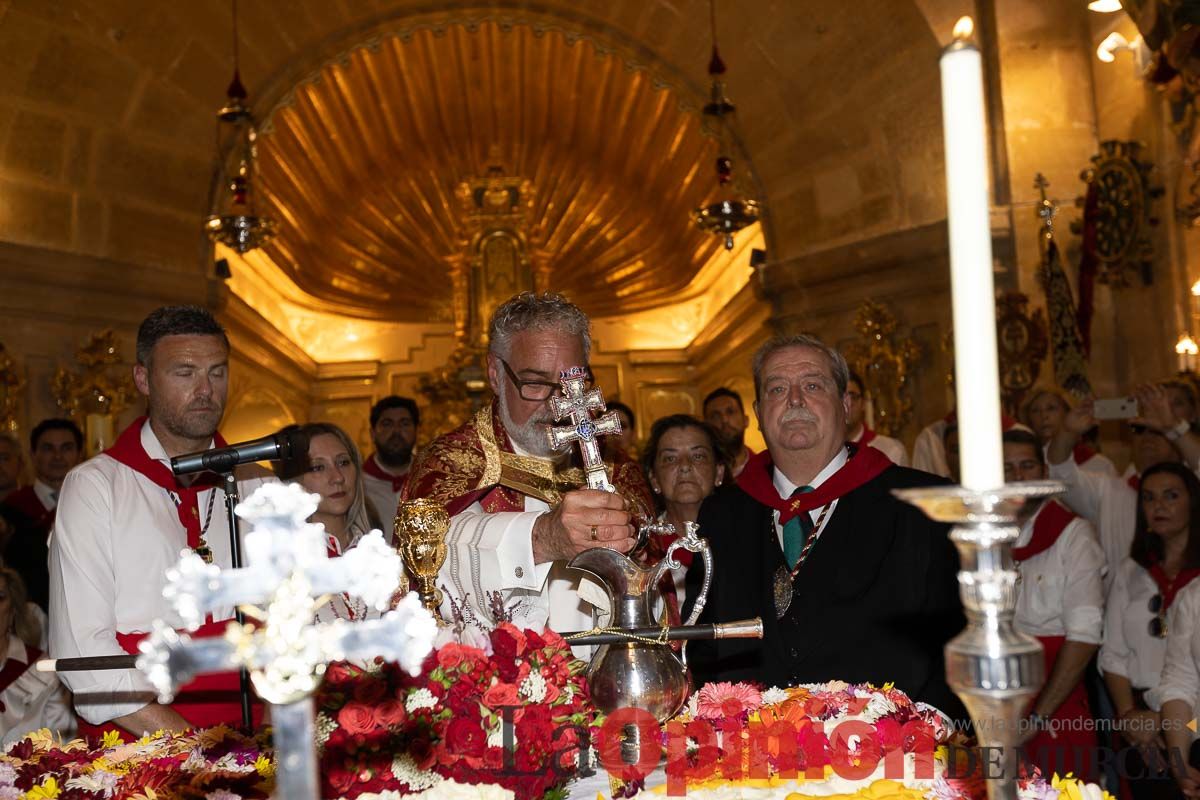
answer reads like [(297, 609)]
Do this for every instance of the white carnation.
[(98, 781), (878, 707), (773, 696)]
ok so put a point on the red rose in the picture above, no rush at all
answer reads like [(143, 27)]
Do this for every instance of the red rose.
[(452, 655), (507, 642), (340, 779), (465, 737), (338, 672), (357, 719), (391, 713), (369, 691), (463, 697), (501, 694), (534, 640)]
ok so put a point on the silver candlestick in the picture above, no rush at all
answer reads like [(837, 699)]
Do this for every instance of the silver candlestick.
[(995, 669)]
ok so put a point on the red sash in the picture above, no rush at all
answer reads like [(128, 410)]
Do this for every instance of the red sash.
[(1073, 746), (864, 464), (1083, 454), (128, 450), (28, 503), (867, 437), (1135, 482), (1048, 525), (1168, 587), (372, 468), (207, 701), (14, 669)]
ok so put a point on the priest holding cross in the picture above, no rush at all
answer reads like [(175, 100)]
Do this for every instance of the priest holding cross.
[(514, 491)]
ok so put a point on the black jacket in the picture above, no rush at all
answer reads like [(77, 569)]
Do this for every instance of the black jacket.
[(876, 601)]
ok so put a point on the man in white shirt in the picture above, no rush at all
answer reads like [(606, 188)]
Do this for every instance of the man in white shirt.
[(1109, 503), (859, 433), (517, 514), (56, 446), (124, 519), (1060, 600), (394, 421)]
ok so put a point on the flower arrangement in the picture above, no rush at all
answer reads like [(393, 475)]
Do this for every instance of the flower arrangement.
[(513, 713), (214, 764), (737, 731)]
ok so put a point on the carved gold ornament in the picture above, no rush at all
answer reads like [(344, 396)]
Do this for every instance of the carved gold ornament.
[(884, 362), (103, 385), (11, 385)]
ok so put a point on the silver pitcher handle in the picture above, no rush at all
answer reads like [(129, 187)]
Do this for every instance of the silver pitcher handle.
[(690, 540)]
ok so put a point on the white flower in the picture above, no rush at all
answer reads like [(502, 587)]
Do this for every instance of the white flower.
[(878, 707), (405, 770), (99, 781), (421, 698), (693, 705), (324, 729), (774, 695), (8, 775), (533, 688), (496, 736), (222, 794), (196, 762)]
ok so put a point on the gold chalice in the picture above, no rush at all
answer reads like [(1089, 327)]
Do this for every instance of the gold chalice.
[(421, 527)]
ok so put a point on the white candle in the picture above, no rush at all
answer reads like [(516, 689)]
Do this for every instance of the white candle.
[(977, 383)]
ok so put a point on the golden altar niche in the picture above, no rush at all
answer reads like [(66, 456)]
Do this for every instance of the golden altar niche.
[(499, 256)]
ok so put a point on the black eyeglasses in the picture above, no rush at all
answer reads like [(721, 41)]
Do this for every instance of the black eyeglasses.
[(539, 391), (1158, 625)]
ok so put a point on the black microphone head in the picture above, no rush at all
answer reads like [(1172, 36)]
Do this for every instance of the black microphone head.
[(293, 444)]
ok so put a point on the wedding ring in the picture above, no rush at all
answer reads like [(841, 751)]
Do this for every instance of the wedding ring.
[(595, 536)]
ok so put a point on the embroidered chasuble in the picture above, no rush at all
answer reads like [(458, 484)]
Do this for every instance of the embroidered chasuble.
[(493, 495)]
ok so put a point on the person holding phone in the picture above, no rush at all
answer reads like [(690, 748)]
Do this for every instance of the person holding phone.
[(1045, 412), (1159, 436)]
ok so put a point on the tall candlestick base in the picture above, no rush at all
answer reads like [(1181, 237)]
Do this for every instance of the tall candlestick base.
[(995, 669)]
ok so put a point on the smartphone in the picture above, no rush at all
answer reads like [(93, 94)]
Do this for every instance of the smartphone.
[(1115, 408)]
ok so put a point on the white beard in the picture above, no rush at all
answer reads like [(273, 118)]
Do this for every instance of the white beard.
[(530, 437)]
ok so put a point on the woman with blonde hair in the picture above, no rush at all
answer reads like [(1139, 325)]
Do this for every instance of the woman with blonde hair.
[(29, 700), (333, 470)]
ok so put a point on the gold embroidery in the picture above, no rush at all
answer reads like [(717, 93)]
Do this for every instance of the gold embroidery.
[(491, 450)]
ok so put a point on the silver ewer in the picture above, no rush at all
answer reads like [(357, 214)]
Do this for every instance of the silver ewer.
[(995, 669)]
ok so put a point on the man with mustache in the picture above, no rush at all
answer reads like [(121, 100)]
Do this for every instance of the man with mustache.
[(394, 421), (518, 515), (123, 519), (851, 583)]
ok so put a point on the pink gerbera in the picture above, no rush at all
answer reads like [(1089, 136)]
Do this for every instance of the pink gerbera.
[(716, 700)]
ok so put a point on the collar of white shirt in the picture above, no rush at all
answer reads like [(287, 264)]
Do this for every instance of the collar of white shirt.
[(48, 496), (154, 448), (16, 650), (785, 487)]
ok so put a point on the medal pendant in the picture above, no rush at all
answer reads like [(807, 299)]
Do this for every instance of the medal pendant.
[(783, 591)]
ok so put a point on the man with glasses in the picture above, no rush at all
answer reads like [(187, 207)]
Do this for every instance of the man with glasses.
[(850, 582), (517, 514), (1159, 435), (857, 431), (1060, 600)]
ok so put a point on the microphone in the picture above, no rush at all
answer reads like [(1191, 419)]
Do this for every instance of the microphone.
[(287, 445)]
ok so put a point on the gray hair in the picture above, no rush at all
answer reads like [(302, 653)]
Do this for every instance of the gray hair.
[(540, 312), (837, 362)]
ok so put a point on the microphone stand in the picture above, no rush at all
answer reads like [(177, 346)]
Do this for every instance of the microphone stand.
[(235, 554)]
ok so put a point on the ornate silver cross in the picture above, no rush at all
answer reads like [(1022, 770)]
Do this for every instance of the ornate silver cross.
[(578, 406), (286, 653)]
